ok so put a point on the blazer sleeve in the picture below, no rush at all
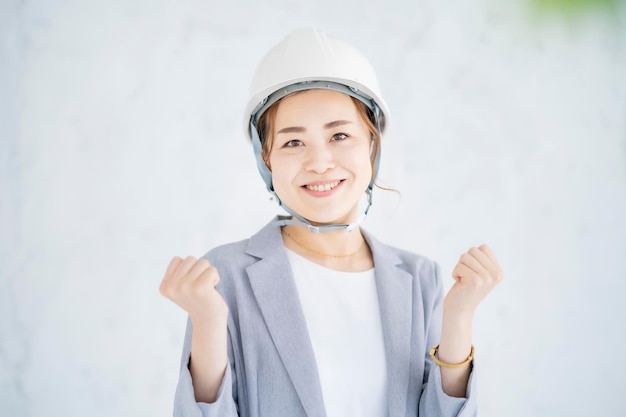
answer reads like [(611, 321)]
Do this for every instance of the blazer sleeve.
[(185, 404), (433, 401)]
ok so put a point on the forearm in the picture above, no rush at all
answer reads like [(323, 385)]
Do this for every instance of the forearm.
[(454, 347), (209, 358)]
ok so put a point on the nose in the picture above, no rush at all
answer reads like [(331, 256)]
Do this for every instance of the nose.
[(319, 158)]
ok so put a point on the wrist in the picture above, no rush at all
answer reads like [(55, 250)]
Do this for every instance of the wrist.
[(466, 362), (458, 318), (456, 337), (207, 321)]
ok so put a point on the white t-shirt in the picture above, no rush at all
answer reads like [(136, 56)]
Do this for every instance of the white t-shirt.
[(343, 318)]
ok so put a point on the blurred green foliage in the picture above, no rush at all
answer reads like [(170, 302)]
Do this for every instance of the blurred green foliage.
[(577, 6)]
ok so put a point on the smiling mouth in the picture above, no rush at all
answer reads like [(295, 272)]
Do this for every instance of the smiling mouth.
[(322, 187)]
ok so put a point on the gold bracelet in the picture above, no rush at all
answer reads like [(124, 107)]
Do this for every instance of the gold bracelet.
[(433, 351)]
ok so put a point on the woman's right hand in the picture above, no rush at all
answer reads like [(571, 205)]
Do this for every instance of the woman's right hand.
[(190, 283)]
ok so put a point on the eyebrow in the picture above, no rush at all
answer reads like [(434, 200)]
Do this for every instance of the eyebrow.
[(300, 129)]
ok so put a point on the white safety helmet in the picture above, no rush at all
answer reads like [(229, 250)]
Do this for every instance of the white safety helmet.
[(309, 59)]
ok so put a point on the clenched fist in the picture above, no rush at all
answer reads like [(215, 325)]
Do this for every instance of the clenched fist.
[(476, 274), (190, 283)]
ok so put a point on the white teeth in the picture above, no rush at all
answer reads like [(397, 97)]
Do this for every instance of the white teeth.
[(323, 187)]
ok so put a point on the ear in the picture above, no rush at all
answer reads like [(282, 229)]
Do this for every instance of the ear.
[(266, 159)]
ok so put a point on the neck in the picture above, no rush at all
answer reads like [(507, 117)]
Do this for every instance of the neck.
[(340, 250)]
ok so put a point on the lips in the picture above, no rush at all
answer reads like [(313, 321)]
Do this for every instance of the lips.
[(322, 187)]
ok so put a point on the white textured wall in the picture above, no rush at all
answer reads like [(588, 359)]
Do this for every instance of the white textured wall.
[(121, 145)]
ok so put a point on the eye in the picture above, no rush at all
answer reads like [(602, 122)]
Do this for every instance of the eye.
[(340, 136), (292, 143)]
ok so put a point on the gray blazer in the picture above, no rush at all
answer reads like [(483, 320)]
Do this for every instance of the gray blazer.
[(272, 370)]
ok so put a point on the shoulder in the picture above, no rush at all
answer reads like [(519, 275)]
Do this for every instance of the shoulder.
[(409, 259), (414, 261), (230, 254), (424, 270), (240, 254)]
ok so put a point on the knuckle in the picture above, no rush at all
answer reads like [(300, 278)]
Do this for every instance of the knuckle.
[(167, 291), (216, 278), (212, 276), (171, 267), (466, 258), (162, 289)]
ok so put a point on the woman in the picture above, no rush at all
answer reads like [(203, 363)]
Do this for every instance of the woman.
[(312, 316)]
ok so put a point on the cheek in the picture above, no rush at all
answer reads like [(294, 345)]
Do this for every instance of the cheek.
[(361, 162), (280, 168)]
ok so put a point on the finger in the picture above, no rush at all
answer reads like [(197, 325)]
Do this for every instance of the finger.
[(211, 276), (461, 272), (184, 267), (168, 278), (481, 257), (487, 250), (488, 261), (199, 267), (470, 261), (176, 260)]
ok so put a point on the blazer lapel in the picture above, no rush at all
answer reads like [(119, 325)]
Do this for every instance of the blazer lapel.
[(276, 293), (395, 291)]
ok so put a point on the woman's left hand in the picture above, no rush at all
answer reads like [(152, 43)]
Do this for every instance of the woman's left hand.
[(476, 274)]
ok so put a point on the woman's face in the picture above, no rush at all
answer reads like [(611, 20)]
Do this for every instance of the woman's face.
[(320, 156)]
